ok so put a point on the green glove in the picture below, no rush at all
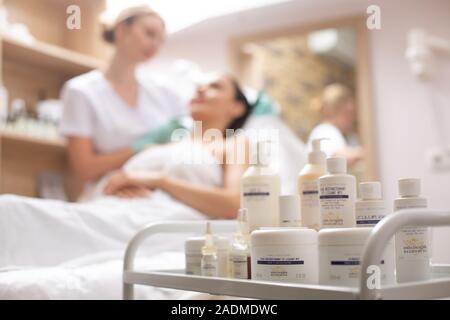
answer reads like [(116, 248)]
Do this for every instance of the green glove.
[(158, 136), (264, 106)]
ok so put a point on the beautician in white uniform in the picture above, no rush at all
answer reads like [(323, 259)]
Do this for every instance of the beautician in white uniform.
[(108, 114), (338, 112)]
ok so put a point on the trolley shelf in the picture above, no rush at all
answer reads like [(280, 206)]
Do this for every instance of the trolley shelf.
[(176, 279), (437, 287)]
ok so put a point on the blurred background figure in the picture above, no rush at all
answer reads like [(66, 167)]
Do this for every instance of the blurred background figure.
[(337, 109), (109, 115)]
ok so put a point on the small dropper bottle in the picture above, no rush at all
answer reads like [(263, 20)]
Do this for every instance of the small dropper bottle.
[(240, 249), (209, 263)]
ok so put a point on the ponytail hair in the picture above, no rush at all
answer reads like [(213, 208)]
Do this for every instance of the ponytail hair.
[(332, 99)]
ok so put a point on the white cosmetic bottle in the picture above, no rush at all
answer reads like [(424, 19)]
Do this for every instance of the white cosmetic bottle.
[(290, 215), (308, 186), (370, 209), (337, 196), (260, 191), (412, 244), (240, 249)]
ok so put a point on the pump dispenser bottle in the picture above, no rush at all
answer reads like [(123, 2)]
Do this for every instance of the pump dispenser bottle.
[(337, 196), (412, 244), (260, 191), (308, 186), (209, 263), (240, 249)]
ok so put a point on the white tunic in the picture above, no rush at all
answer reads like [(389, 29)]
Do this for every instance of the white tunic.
[(93, 109)]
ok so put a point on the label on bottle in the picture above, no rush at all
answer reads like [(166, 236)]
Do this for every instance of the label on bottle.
[(280, 268), (369, 213), (193, 264), (343, 268), (412, 243), (261, 201), (240, 266), (209, 266), (309, 194), (285, 263), (337, 203)]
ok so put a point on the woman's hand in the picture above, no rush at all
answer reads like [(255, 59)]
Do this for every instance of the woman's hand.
[(132, 192), (128, 180)]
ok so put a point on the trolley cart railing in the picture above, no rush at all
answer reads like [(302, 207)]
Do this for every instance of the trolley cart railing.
[(438, 287)]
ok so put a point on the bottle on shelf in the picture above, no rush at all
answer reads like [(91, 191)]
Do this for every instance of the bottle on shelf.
[(308, 186), (260, 190), (240, 249), (412, 243), (290, 215), (370, 208), (337, 195), (209, 263)]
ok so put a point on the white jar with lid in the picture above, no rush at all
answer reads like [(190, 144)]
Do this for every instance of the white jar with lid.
[(193, 255), (340, 254), (284, 254)]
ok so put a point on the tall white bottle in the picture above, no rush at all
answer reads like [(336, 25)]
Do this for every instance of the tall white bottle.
[(370, 209), (412, 244), (308, 186), (337, 196), (260, 191)]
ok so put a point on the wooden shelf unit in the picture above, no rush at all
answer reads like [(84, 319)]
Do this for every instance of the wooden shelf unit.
[(50, 57), (38, 70)]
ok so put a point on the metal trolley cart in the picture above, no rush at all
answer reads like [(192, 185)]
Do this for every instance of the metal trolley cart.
[(436, 288)]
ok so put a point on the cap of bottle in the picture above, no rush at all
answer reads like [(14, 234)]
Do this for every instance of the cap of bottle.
[(409, 187), (243, 221), (317, 156), (289, 211), (263, 152), (209, 240), (370, 190), (337, 165)]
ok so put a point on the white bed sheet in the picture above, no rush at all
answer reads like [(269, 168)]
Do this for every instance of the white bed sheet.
[(80, 267)]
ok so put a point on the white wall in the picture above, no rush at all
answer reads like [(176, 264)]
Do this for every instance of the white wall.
[(405, 125)]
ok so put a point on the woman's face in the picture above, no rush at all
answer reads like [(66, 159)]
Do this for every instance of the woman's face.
[(346, 116), (215, 102), (141, 39)]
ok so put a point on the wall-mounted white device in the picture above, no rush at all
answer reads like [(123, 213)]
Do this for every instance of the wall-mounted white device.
[(422, 50)]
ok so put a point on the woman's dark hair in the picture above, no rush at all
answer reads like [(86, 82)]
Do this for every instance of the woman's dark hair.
[(239, 96)]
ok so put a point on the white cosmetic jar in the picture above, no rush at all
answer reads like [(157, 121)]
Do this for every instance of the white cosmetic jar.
[(340, 254), (193, 255), (285, 255)]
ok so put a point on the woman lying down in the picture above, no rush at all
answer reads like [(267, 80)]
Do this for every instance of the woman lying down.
[(182, 180)]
